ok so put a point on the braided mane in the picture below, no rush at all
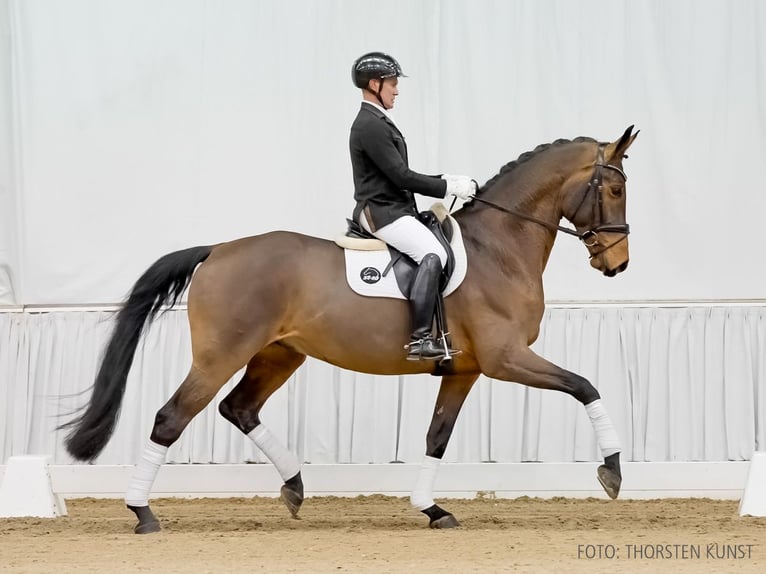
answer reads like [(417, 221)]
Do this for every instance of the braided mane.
[(526, 156)]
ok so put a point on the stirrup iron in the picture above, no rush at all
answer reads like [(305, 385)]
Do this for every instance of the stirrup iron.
[(432, 350), (448, 353)]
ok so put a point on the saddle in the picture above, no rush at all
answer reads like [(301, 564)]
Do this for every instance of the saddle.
[(404, 267)]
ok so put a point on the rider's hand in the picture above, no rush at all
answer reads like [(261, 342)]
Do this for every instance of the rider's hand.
[(460, 186)]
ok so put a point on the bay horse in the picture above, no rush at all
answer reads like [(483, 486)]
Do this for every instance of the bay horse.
[(269, 301)]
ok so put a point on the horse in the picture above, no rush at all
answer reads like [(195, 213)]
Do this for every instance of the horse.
[(268, 301)]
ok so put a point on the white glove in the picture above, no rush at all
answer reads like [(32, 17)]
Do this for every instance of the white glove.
[(460, 186)]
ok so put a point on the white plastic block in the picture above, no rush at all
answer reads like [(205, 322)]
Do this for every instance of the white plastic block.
[(26, 489), (753, 502)]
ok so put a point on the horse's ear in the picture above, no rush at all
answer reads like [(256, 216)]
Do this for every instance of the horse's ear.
[(616, 151)]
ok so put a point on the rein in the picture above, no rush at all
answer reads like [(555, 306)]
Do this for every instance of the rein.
[(547, 224), (590, 236)]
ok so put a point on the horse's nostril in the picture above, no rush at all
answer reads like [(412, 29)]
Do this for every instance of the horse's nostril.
[(613, 272)]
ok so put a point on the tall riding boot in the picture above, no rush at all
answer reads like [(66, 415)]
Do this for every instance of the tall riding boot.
[(423, 294)]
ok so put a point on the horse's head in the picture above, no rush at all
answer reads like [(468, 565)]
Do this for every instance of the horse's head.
[(596, 207)]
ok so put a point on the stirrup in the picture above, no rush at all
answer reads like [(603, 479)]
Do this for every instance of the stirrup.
[(430, 349), (448, 352), (424, 348)]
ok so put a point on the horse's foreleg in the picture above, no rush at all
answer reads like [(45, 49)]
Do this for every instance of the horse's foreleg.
[(265, 373), (195, 392), (452, 393), (526, 367)]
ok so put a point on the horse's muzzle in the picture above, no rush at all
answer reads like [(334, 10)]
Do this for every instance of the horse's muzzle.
[(613, 272)]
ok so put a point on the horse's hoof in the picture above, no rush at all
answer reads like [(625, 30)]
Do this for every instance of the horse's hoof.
[(147, 522), (610, 480), (440, 518), (291, 499), (147, 527), (448, 521)]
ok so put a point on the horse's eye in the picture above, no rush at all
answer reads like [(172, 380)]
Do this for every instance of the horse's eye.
[(617, 192)]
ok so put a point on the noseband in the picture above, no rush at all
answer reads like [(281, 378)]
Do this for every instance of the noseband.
[(590, 236)]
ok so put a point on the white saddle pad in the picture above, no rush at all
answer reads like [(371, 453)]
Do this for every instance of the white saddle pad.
[(364, 270)]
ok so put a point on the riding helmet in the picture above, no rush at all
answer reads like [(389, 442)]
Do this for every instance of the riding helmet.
[(374, 65)]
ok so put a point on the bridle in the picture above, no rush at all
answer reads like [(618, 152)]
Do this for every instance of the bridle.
[(589, 237)]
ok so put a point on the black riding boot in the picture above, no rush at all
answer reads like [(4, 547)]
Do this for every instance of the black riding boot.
[(423, 293)]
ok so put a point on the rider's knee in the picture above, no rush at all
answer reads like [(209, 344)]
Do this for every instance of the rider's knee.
[(433, 261), (439, 255)]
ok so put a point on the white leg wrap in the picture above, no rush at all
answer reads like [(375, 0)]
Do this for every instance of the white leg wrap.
[(602, 424), (422, 496), (144, 474), (284, 461)]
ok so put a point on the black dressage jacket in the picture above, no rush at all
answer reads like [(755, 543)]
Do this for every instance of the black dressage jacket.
[(383, 181)]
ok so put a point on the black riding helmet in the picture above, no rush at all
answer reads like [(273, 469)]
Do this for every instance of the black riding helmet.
[(374, 65)]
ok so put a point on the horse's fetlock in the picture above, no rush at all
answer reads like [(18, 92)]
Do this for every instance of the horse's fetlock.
[(227, 412), (243, 419), (582, 389), (165, 432)]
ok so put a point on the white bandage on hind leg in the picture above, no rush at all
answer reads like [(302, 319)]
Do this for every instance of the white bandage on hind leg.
[(602, 424), (144, 474), (284, 461), (422, 496)]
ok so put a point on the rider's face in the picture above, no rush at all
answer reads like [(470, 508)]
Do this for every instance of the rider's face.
[(389, 89)]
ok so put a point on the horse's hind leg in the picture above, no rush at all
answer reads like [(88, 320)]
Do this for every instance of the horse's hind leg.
[(265, 373), (197, 390), (452, 393)]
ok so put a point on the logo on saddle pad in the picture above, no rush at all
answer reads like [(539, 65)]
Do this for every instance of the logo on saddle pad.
[(365, 278), (370, 275)]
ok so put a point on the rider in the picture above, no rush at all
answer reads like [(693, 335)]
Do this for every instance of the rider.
[(383, 189)]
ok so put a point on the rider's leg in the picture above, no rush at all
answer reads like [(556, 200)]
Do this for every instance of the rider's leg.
[(423, 294), (414, 239), (410, 237)]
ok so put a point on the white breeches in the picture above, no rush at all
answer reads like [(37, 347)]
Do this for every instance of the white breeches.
[(410, 237)]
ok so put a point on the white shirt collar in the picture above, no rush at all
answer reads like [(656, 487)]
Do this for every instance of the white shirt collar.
[(381, 108)]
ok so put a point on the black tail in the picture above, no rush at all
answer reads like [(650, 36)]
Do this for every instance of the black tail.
[(161, 284)]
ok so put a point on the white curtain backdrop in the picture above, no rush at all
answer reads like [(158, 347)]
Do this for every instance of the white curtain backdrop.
[(681, 384), (8, 228), (144, 126), (131, 128)]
